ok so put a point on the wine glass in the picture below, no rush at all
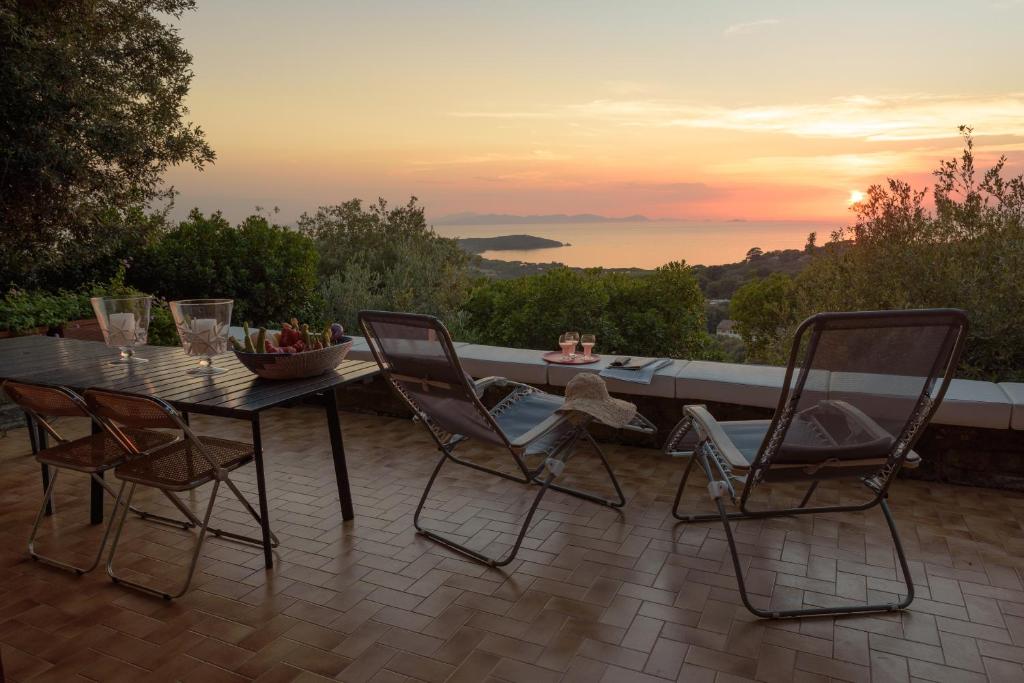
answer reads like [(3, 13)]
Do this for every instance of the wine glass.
[(571, 340), (203, 326), (124, 322), (587, 341)]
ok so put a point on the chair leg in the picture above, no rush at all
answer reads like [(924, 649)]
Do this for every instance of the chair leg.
[(47, 501), (819, 611), (807, 496), (458, 547), (159, 519), (255, 515), (621, 501), (204, 525)]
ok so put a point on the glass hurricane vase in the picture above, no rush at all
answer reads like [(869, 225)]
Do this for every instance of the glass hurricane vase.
[(124, 322), (203, 326)]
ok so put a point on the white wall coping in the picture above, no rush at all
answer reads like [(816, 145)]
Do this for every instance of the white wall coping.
[(968, 403), (1015, 393)]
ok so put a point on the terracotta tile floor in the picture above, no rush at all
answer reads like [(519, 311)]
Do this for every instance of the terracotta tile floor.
[(594, 596)]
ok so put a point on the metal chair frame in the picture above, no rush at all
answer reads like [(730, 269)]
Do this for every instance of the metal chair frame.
[(543, 474), (53, 471), (221, 475), (723, 480)]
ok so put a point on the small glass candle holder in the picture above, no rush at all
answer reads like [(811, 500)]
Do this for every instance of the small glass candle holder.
[(203, 326), (124, 322)]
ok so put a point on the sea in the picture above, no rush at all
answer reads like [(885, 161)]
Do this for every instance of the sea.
[(647, 244)]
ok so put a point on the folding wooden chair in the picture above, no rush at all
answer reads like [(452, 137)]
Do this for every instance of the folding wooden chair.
[(185, 464), (416, 354), (859, 389), (92, 455)]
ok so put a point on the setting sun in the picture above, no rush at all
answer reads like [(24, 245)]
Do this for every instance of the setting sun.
[(856, 196)]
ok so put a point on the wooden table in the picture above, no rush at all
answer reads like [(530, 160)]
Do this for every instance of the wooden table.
[(235, 393)]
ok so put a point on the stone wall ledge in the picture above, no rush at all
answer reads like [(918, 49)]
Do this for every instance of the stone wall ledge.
[(968, 403)]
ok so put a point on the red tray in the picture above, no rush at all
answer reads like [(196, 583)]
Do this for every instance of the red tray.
[(556, 358)]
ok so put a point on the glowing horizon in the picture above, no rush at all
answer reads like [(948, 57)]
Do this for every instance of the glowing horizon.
[(745, 111)]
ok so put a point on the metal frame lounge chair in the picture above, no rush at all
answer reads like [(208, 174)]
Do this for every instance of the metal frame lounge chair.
[(417, 357), (859, 389), (92, 455), (185, 464)]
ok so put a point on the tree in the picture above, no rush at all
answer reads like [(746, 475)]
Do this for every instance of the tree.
[(270, 271), (762, 309), (386, 258), (753, 253), (91, 115), (966, 253)]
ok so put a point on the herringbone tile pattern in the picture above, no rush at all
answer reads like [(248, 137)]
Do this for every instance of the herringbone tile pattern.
[(594, 596)]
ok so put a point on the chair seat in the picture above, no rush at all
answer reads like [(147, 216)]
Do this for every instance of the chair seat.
[(99, 452), (747, 436), (528, 413), (181, 466)]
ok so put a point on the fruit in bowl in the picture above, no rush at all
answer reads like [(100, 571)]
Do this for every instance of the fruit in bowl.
[(293, 352)]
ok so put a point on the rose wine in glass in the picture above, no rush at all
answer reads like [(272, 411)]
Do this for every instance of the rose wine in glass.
[(571, 340), (587, 341), (565, 345)]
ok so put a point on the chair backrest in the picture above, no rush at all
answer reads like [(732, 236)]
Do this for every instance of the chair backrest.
[(43, 401), (859, 389), (116, 410), (416, 354)]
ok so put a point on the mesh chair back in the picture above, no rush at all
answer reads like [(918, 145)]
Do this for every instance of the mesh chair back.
[(859, 389), (130, 410), (416, 354), (46, 401)]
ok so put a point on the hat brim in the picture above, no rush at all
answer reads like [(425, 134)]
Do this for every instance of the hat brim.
[(613, 412)]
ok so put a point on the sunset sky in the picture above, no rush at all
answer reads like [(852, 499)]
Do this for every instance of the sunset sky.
[(756, 110)]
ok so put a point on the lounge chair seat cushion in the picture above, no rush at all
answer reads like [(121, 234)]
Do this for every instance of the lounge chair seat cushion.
[(748, 435), (532, 421)]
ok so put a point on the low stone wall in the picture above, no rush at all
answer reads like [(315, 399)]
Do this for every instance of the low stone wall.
[(955, 455)]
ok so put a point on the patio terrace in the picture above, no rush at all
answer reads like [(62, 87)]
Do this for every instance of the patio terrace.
[(593, 596)]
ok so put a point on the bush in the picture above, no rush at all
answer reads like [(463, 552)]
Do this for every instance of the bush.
[(661, 314), (25, 312), (968, 253), (269, 270), (385, 258)]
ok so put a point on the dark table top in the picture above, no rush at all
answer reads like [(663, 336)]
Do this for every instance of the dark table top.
[(235, 393)]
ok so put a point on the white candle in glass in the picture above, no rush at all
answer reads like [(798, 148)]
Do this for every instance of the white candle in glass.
[(121, 329), (203, 337)]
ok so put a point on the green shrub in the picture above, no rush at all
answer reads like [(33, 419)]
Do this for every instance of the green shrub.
[(23, 312), (385, 258), (269, 270), (661, 314)]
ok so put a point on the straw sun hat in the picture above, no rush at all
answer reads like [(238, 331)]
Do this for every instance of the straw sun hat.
[(587, 393)]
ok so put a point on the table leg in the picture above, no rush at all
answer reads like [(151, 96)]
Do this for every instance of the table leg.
[(95, 491), (338, 452), (261, 485), (35, 438)]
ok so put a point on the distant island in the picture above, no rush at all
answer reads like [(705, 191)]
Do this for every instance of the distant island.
[(470, 218), (478, 245)]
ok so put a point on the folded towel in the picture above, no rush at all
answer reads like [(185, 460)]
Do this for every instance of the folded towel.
[(639, 373)]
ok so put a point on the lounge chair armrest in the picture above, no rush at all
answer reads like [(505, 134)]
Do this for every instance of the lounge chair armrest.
[(708, 428), (641, 424), (485, 383)]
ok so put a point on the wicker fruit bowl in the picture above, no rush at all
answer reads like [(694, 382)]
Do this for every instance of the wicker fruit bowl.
[(296, 365)]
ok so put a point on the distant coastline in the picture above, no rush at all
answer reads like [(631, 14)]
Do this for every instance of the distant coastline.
[(478, 245)]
